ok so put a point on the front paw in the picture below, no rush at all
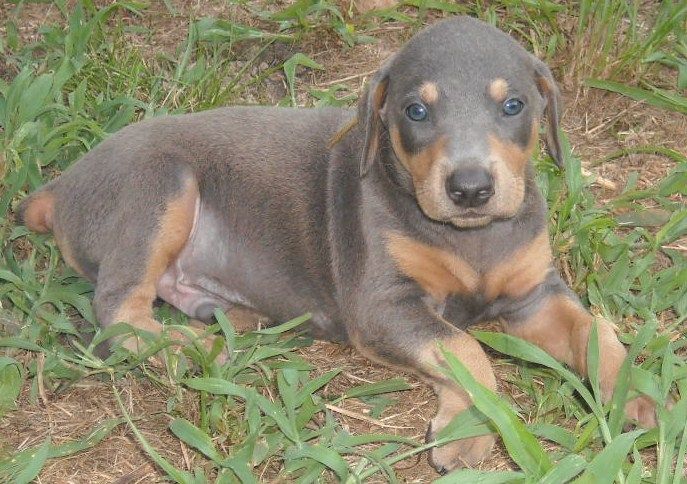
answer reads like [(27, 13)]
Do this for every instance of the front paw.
[(642, 410), (459, 453)]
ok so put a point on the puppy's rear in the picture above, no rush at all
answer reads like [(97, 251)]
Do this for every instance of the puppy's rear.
[(37, 210)]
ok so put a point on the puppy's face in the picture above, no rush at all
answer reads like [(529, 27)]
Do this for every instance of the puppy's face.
[(461, 107), (465, 149)]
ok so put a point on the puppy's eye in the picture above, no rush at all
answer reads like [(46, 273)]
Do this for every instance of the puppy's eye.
[(416, 112), (513, 106)]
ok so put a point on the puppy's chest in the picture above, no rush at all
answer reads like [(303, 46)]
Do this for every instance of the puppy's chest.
[(443, 273)]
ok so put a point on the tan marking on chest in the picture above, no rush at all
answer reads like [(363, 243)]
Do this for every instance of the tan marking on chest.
[(442, 273), (437, 271), (521, 271)]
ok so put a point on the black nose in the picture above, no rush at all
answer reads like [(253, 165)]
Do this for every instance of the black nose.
[(470, 187)]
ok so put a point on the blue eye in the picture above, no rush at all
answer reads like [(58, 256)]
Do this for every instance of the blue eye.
[(416, 112), (513, 106)]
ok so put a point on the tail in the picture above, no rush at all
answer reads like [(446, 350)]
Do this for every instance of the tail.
[(36, 211)]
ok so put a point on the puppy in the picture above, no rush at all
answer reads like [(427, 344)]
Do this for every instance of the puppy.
[(397, 226)]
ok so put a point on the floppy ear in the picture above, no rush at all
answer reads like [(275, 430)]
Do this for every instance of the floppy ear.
[(549, 90), (369, 107)]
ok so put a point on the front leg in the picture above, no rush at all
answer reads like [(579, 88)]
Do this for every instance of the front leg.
[(404, 334), (557, 322)]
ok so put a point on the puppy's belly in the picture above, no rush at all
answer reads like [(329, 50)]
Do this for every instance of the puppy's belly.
[(227, 262), (196, 281), (196, 295)]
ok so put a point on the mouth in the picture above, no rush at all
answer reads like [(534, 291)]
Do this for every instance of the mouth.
[(471, 214), (471, 219)]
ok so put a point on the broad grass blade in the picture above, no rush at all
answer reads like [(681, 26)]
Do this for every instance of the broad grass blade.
[(323, 455), (196, 438), (377, 388), (564, 471), (285, 327), (656, 97), (553, 433), (474, 476), (605, 466), (218, 386), (519, 348), (34, 465), (616, 415), (522, 445), (593, 360), (11, 380)]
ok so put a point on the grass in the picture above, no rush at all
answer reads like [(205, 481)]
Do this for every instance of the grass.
[(265, 410)]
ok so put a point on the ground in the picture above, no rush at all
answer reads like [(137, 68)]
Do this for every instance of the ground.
[(598, 124)]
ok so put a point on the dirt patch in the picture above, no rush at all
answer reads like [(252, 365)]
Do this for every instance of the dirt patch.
[(72, 415), (600, 123)]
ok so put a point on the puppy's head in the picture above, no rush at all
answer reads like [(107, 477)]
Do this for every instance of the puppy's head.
[(458, 109)]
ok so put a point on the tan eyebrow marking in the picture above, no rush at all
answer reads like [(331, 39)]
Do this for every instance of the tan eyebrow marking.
[(498, 89), (429, 92)]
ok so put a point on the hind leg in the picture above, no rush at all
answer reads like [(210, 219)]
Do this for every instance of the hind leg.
[(128, 275)]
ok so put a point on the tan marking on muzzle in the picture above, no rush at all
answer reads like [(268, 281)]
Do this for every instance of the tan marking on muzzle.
[(498, 90), (429, 92), (438, 271), (420, 164), (512, 154)]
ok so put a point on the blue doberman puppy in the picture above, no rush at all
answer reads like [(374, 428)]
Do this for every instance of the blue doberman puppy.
[(397, 226)]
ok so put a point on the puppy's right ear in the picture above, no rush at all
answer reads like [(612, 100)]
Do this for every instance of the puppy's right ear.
[(549, 90), (370, 116)]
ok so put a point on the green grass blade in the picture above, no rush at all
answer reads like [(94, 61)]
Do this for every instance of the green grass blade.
[(522, 445), (229, 332), (34, 465), (635, 474), (196, 438), (315, 384), (24, 461), (11, 380), (605, 466), (95, 436), (553, 433), (656, 97), (290, 71), (176, 474), (565, 470), (518, 348), (681, 457), (218, 386), (322, 455), (616, 415), (377, 388), (474, 476), (285, 327), (593, 361)]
